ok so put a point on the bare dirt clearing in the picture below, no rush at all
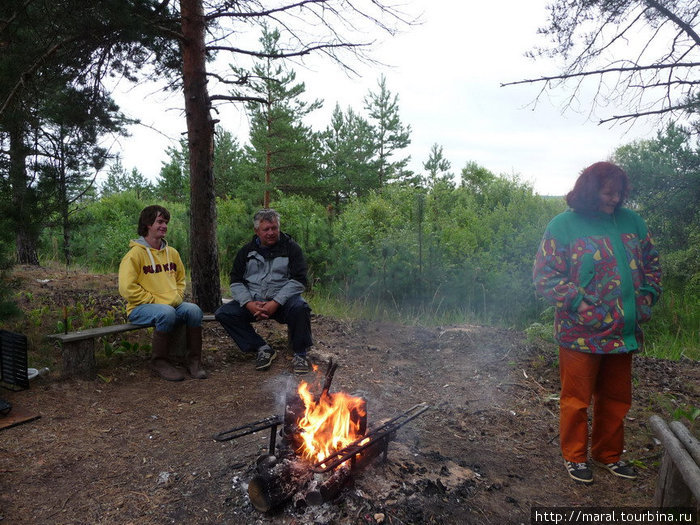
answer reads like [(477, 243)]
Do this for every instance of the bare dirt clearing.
[(130, 448)]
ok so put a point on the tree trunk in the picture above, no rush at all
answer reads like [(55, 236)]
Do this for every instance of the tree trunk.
[(204, 263), (26, 237), (268, 153), (63, 205), (26, 247)]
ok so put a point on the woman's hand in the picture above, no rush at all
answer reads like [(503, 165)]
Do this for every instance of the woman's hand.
[(583, 307)]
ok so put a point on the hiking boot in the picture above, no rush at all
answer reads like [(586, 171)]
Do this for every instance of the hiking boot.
[(194, 356), (580, 472), (619, 468), (300, 364), (160, 366), (265, 357)]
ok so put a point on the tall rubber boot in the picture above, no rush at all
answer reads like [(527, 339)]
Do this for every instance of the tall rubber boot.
[(194, 355), (159, 358)]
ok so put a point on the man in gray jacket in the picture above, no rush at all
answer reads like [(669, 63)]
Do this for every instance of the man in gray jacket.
[(267, 279)]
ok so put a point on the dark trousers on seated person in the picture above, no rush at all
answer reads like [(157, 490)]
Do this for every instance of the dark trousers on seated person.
[(605, 379), (295, 313)]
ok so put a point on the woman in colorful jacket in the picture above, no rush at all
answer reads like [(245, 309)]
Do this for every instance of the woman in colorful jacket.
[(597, 264)]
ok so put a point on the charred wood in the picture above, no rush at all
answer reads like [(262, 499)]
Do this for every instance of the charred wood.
[(330, 372), (272, 488), (330, 488)]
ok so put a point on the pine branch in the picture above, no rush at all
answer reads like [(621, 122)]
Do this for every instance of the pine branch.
[(631, 116), (265, 12), (32, 69), (234, 98), (687, 28), (631, 69), (302, 52)]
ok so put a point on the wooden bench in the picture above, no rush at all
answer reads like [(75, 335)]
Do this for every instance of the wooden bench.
[(78, 348), (679, 475)]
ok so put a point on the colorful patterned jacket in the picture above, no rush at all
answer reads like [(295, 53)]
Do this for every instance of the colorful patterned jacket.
[(608, 260)]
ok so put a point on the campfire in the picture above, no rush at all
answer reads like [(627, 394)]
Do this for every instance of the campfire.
[(330, 423), (324, 439)]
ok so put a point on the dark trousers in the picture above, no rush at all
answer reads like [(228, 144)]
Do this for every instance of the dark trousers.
[(295, 313)]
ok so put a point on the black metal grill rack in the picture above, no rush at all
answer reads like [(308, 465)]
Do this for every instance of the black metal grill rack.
[(13, 361)]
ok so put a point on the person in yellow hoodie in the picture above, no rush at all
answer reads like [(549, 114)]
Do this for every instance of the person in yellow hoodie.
[(152, 280)]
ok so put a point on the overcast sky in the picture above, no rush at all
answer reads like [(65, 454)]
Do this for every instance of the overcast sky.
[(447, 73)]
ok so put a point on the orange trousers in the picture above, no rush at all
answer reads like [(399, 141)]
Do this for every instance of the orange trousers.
[(605, 379)]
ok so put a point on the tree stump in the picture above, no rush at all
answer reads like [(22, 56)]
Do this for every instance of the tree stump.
[(79, 359)]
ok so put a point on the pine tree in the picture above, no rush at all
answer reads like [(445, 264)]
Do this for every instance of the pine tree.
[(348, 165), (173, 182), (68, 155), (438, 168), (50, 49), (390, 135), (229, 174), (282, 149)]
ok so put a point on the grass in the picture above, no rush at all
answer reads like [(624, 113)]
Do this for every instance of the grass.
[(326, 303), (674, 330)]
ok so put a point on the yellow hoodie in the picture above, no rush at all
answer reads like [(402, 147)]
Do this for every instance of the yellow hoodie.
[(149, 276)]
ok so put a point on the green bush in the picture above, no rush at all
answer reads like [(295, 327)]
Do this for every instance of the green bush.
[(104, 227), (234, 227), (460, 251)]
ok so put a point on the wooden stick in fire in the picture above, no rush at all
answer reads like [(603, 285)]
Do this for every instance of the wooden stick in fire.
[(329, 377)]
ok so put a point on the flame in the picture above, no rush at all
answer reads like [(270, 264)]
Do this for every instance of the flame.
[(329, 424)]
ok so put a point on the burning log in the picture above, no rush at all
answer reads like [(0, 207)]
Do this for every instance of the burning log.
[(293, 412), (324, 414), (373, 443), (330, 488), (273, 487)]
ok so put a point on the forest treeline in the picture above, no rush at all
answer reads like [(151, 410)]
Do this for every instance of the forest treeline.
[(433, 245), (436, 247)]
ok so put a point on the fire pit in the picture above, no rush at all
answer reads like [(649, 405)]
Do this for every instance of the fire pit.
[(324, 438)]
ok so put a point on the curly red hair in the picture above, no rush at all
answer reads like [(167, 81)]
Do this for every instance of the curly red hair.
[(584, 197)]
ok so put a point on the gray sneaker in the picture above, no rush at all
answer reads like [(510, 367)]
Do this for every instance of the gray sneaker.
[(619, 468), (580, 472), (265, 357), (300, 364)]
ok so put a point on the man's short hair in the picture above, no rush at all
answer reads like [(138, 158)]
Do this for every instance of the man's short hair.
[(266, 214), (148, 217)]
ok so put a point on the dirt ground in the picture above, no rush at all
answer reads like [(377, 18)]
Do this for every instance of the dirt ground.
[(131, 448)]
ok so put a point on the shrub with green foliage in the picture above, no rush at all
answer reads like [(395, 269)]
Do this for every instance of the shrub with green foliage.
[(107, 225), (467, 250), (234, 227), (310, 225)]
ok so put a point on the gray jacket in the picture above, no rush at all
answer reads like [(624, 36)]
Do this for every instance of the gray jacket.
[(262, 274)]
